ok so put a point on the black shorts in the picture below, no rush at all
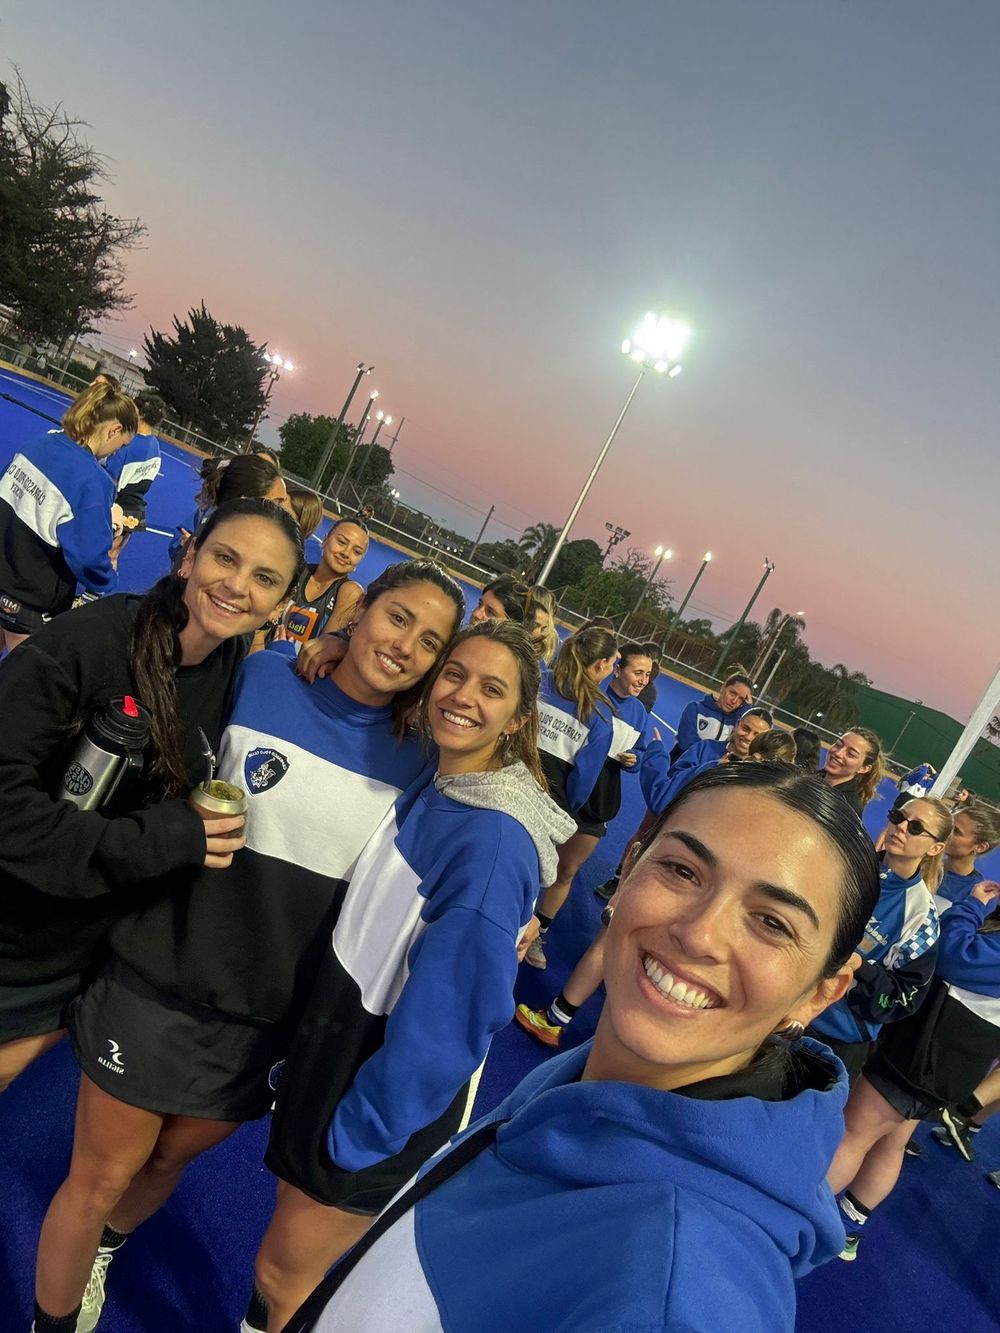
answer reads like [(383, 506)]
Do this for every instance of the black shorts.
[(594, 828), (313, 1172), (20, 619), (852, 1054), (35, 1010), (909, 1101), (152, 1050)]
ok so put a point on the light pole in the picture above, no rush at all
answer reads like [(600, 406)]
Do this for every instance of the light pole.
[(392, 442), (706, 560), (617, 535), (359, 433), (768, 571), (395, 504), (383, 420), (757, 670), (658, 343), (273, 375), (902, 730), (662, 553), (331, 442)]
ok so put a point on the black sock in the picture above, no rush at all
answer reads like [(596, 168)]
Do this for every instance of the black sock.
[(256, 1315), (854, 1214), (112, 1239), (47, 1323), (561, 1011), (544, 920)]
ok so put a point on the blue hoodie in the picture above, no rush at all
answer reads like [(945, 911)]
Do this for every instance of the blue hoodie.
[(572, 752), (609, 1206), (900, 951), (704, 720), (954, 888), (55, 524)]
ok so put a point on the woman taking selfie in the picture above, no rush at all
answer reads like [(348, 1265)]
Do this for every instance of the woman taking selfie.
[(68, 873), (421, 970), (678, 1158)]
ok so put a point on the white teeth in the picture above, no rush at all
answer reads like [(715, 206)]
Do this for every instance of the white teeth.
[(458, 719), (389, 664), (673, 989), (226, 606)]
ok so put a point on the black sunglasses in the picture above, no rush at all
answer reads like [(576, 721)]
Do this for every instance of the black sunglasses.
[(913, 826)]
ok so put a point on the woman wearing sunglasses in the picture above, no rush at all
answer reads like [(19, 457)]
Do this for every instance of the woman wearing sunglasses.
[(923, 1065), (898, 951)]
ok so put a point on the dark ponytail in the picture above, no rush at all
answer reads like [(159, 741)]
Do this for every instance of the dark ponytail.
[(245, 476), (156, 644)]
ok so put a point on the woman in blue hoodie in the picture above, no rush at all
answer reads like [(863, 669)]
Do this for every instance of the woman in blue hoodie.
[(421, 969), (674, 1165), (713, 717), (925, 1064), (976, 831)]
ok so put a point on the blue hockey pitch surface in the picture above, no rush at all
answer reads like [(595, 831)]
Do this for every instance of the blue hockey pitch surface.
[(926, 1262)]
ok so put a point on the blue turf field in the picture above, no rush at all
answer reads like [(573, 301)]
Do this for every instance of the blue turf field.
[(927, 1263)]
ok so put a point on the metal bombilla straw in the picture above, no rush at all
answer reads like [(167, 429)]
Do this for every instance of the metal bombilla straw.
[(208, 754)]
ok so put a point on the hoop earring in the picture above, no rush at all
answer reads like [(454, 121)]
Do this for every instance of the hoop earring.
[(793, 1031)]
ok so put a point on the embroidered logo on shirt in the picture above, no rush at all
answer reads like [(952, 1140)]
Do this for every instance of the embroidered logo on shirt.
[(264, 768), (703, 724)]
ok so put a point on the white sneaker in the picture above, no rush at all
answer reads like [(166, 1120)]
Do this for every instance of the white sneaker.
[(535, 957), (93, 1297)]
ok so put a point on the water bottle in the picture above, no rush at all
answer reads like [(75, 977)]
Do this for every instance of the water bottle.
[(113, 742)]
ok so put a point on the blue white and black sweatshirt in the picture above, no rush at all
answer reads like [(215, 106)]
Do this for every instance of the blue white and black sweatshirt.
[(419, 976), (704, 720), (321, 772), (949, 1045), (693, 1210), (900, 952), (704, 754), (572, 752), (133, 469), (632, 733), (55, 524)]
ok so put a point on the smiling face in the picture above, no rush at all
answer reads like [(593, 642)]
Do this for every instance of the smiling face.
[(743, 733), (632, 676), (475, 700), (344, 548), (847, 757), (734, 696), (542, 625), (719, 938), (396, 641), (236, 577)]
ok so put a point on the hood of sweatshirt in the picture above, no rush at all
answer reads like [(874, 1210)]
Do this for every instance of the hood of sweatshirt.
[(767, 1160), (513, 791)]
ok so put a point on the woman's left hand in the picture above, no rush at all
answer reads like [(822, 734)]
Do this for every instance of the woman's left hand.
[(528, 938), (627, 759), (986, 891)]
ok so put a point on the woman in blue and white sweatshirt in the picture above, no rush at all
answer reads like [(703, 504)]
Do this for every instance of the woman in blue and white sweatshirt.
[(976, 831), (205, 979), (928, 1062), (55, 513), (899, 952), (575, 738), (421, 969), (676, 1163), (134, 468), (713, 717)]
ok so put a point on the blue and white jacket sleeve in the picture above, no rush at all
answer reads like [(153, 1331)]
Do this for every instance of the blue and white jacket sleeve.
[(458, 993), (85, 540), (896, 986), (966, 956), (654, 774), (590, 758), (687, 727)]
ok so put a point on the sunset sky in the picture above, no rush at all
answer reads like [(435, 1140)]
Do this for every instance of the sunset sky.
[(483, 199)]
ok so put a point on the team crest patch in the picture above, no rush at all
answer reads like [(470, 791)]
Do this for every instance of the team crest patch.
[(703, 724), (264, 769)]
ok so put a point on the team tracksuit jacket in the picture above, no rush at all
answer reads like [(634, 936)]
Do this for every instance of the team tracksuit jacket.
[(55, 525), (572, 752), (704, 720), (133, 469)]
